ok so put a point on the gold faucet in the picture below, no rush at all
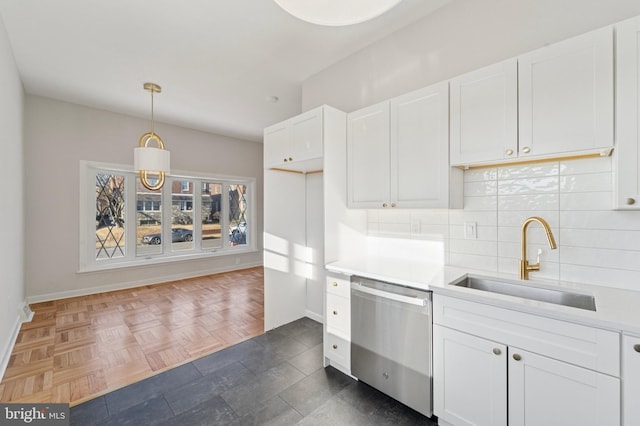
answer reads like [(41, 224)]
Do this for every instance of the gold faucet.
[(524, 263)]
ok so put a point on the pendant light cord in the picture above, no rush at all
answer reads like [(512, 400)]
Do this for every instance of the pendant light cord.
[(152, 129)]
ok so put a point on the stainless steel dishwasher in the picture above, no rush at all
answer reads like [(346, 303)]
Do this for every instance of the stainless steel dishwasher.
[(391, 332)]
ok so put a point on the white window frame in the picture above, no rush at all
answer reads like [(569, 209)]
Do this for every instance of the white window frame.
[(88, 261)]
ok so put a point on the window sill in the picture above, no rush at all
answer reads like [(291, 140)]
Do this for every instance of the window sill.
[(147, 261)]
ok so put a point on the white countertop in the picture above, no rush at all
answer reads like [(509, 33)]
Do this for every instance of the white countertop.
[(616, 309)]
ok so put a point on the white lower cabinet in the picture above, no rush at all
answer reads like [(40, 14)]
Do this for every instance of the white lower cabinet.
[(337, 330), (631, 380), (470, 379), (546, 391), (494, 366)]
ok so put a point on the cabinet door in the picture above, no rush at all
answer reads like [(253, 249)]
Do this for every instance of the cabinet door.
[(544, 391), (277, 144), (566, 96), (469, 379), (419, 148), (306, 136), (368, 157), (285, 271), (630, 380), (627, 152), (484, 114)]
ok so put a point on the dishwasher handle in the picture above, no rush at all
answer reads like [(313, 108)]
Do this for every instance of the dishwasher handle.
[(387, 295)]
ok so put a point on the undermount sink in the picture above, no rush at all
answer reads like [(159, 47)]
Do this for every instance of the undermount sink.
[(541, 294)]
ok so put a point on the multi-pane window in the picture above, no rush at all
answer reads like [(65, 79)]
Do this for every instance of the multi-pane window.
[(110, 216), (211, 206), (132, 224), (148, 220)]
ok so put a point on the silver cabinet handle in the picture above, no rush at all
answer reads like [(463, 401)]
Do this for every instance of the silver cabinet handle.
[(497, 351), (517, 357), (384, 205), (526, 150), (335, 312), (636, 347), (509, 152), (335, 346), (631, 201), (393, 204)]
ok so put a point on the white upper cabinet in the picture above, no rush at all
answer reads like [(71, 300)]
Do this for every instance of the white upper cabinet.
[(566, 96), (484, 114), (398, 153), (627, 152), (368, 157), (295, 144), (419, 144), (557, 101)]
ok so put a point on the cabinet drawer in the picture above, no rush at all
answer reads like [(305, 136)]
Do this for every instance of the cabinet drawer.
[(338, 350), (339, 314), (338, 286), (577, 344)]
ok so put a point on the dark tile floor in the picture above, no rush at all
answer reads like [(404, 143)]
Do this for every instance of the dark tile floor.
[(273, 379)]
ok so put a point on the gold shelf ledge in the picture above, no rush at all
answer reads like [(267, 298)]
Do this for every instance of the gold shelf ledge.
[(310, 172), (603, 153)]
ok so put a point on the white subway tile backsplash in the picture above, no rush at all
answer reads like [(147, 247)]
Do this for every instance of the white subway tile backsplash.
[(585, 165), (488, 203), (596, 245), (606, 239), (517, 217), (586, 201), (591, 182), (395, 229), (480, 189), (529, 202), (612, 220), (480, 175), (529, 171), (394, 216), (459, 217), (484, 248), (618, 278), (433, 217), (603, 258), (536, 185), (483, 263)]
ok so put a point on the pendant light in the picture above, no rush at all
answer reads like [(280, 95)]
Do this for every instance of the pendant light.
[(336, 13), (151, 162)]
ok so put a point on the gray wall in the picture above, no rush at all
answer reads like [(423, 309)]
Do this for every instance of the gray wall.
[(12, 204), (460, 37), (58, 136)]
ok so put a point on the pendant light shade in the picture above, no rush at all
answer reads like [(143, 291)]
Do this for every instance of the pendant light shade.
[(336, 12), (152, 162)]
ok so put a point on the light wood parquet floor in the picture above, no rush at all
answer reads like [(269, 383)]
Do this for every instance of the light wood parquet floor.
[(79, 348)]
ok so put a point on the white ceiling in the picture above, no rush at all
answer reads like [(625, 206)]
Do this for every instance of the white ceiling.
[(217, 60)]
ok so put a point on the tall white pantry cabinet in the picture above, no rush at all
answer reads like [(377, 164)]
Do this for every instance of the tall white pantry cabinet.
[(306, 222)]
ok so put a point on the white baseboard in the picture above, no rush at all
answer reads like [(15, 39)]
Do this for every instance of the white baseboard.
[(139, 283), (314, 316), (8, 347)]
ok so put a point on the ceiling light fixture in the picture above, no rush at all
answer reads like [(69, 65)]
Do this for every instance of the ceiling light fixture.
[(151, 162), (336, 13)]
